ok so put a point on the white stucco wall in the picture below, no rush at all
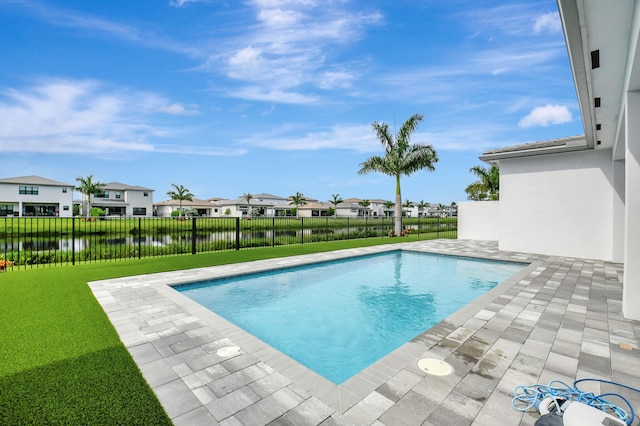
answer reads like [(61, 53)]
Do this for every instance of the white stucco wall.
[(558, 204), (136, 199), (479, 220), (47, 195)]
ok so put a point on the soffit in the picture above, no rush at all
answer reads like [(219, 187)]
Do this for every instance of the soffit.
[(604, 26)]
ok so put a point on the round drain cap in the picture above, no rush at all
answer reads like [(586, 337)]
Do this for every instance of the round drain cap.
[(435, 367), (228, 351)]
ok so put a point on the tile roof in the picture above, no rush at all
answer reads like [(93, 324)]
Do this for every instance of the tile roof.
[(34, 180)]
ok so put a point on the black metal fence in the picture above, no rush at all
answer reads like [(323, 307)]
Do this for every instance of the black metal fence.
[(36, 241)]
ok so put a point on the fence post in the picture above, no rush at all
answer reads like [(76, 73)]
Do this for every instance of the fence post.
[(19, 251), (139, 238), (348, 231), (73, 240), (273, 231), (5, 240), (193, 235), (237, 233), (326, 229), (302, 230), (366, 227)]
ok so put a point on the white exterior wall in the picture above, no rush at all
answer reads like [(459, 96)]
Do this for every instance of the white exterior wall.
[(479, 220), (234, 209), (164, 211), (631, 290), (558, 204), (9, 194), (135, 198)]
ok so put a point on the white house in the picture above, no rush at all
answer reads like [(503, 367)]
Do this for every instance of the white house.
[(378, 208), (35, 196), (118, 199), (203, 208), (314, 209), (579, 196)]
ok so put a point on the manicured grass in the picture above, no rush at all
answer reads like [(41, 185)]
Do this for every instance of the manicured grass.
[(61, 361)]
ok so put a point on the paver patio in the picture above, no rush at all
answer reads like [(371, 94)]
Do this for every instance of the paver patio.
[(558, 319)]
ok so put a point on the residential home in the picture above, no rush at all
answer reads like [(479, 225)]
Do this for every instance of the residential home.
[(118, 199), (35, 196), (257, 206), (378, 208), (287, 208), (279, 206), (314, 209), (195, 207), (351, 208), (579, 196)]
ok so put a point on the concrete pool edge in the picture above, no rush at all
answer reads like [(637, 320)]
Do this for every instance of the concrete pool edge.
[(150, 347)]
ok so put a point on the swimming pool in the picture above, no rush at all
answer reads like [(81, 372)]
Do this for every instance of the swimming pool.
[(341, 316)]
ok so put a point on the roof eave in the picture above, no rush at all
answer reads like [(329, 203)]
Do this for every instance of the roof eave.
[(494, 158), (571, 13)]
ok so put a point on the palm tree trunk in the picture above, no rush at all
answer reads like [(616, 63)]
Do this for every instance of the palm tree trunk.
[(398, 218)]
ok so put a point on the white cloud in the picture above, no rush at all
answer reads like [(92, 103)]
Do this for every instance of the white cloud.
[(179, 109), (547, 23), (182, 3), (85, 22), (290, 45), (82, 116), (510, 19), (256, 93), (354, 137), (361, 138), (279, 18), (335, 79), (546, 116)]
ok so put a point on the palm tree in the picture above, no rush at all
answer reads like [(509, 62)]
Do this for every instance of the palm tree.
[(387, 206), (407, 204), (401, 158), (365, 204), (336, 200), (487, 185), (88, 187), (181, 194), (421, 206), (248, 197), (298, 200)]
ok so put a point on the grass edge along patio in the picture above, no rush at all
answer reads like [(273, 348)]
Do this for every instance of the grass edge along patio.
[(62, 361)]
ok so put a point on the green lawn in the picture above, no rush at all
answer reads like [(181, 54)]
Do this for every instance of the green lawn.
[(61, 361)]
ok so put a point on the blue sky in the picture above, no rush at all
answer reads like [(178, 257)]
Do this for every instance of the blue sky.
[(227, 97)]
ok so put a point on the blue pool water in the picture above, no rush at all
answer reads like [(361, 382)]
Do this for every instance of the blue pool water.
[(339, 317)]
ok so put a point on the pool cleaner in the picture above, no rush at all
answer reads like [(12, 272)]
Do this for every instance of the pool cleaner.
[(562, 405), (575, 413)]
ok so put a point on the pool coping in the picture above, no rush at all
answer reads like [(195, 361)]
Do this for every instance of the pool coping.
[(174, 341)]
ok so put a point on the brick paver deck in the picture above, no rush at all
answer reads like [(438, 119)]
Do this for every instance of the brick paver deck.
[(558, 319)]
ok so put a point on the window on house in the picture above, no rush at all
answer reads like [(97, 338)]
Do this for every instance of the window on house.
[(104, 194), (28, 190), (6, 209), (145, 193), (139, 211), (118, 195), (65, 208), (64, 190)]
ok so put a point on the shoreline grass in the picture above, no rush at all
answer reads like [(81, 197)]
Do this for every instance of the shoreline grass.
[(61, 360)]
